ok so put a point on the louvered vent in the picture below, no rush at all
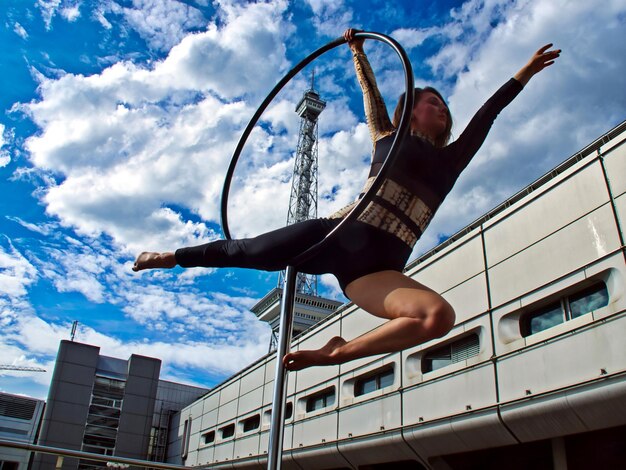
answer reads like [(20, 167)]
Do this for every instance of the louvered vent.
[(451, 353), (17, 407)]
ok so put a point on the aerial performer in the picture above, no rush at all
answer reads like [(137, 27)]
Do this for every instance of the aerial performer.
[(369, 255)]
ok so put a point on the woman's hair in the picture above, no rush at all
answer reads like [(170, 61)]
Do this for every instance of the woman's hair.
[(442, 139)]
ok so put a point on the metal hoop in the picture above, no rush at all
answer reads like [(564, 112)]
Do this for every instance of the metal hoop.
[(403, 128)]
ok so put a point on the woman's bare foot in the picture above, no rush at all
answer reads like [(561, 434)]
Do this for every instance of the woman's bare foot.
[(149, 260), (319, 357)]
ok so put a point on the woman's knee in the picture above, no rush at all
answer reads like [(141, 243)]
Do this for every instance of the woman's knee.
[(443, 318), (437, 315)]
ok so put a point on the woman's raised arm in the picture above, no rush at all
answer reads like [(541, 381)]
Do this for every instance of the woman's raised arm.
[(375, 110), (468, 143)]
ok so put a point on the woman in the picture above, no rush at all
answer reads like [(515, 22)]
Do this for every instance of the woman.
[(368, 256)]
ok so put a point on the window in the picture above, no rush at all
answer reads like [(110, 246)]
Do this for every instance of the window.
[(103, 419), (288, 412), (9, 465), (371, 383), (208, 437), (321, 400), (566, 308), (186, 435), (228, 431), (451, 353), (252, 423)]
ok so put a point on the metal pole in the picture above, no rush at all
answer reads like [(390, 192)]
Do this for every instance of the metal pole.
[(275, 451), (89, 456)]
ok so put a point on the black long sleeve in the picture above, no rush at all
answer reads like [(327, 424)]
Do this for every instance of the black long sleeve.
[(465, 147)]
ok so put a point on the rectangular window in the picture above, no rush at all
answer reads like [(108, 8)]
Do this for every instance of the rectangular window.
[(8, 465), (545, 318), (566, 308), (267, 417), (252, 423), (321, 400), (208, 437), (228, 431), (460, 350), (588, 300), (375, 382)]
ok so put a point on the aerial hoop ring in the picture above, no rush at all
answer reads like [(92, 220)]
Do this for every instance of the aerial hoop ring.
[(403, 128)]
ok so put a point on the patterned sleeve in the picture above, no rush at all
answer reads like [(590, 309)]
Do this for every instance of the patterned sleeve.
[(375, 110)]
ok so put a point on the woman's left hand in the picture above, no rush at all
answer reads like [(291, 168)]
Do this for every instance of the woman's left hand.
[(540, 60)]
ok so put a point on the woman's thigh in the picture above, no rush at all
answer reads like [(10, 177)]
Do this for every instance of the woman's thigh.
[(391, 294)]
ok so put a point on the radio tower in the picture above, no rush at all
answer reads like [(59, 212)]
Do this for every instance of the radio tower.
[(309, 308), (303, 198)]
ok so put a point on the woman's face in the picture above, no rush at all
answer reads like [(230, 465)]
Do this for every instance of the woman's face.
[(430, 115)]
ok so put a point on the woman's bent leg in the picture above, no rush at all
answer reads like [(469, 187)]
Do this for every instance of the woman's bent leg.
[(417, 314), (270, 251)]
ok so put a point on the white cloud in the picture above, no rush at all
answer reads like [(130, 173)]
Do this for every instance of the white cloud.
[(20, 31), (42, 228), (5, 156), (331, 17), (161, 23), (16, 272), (69, 9), (71, 13), (410, 38)]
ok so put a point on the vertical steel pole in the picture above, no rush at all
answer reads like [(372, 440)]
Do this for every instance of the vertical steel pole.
[(275, 451)]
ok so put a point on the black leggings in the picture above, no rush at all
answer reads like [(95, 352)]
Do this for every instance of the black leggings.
[(357, 250)]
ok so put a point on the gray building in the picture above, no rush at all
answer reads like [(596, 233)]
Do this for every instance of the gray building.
[(532, 375), (19, 421), (108, 406)]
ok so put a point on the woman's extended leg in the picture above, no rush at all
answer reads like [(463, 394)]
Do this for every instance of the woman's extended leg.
[(416, 313), (270, 251)]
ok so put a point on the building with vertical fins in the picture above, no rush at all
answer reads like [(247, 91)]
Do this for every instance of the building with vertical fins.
[(108, 406), (309, 307), (532, 376)]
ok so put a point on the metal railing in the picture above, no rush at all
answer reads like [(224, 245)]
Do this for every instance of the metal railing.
[(89, 456)]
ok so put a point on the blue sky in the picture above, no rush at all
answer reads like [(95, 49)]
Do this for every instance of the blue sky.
[(118, 120)]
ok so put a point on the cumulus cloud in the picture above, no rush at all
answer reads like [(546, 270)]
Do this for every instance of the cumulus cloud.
[(132, 142)]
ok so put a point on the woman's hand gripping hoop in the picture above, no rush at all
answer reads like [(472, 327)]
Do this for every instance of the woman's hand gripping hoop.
[(401, 132)]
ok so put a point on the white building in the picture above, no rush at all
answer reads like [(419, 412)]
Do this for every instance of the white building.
[(532, 376)]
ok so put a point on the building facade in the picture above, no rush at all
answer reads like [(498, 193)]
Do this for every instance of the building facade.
[(533, 374), (108, 406), (19, 421)]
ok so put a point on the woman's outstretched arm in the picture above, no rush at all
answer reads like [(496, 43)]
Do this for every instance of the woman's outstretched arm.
[(468, 143), (375, 110)]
